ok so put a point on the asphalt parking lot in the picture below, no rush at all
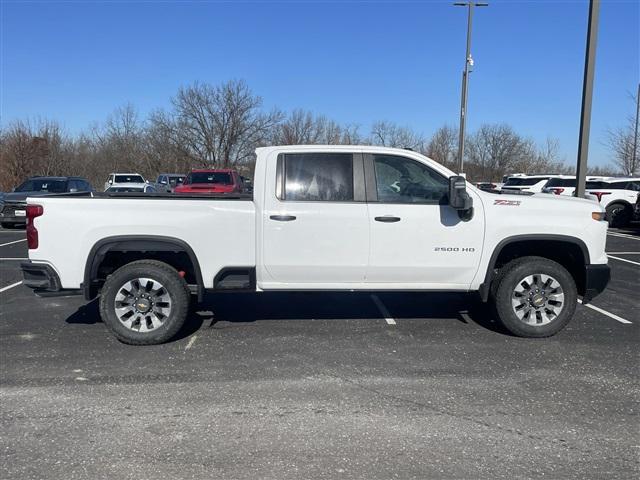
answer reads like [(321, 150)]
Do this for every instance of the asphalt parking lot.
[(290, 386)]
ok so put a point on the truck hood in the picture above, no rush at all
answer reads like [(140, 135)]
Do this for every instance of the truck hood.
[(555, 204)]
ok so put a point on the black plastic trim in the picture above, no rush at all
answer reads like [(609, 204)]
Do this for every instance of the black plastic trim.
[(485, 286), (596, 280), (136, 243), (44, 280), (250, 272)]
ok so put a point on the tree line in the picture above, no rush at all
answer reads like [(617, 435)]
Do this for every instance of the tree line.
[(221, 125)]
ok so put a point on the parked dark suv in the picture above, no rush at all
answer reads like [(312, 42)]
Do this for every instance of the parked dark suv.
[(13, 205)]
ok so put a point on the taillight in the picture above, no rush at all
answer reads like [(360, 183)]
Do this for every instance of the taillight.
[(33, 211), (557, 190), (600, 194)]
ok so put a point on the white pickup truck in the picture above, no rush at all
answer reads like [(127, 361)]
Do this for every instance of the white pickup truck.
[(321, 218)]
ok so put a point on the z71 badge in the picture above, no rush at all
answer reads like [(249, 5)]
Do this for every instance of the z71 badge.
[(511, 203)]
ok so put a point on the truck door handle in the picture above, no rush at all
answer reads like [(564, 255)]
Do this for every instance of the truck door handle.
[(282, 218), (387, 219)]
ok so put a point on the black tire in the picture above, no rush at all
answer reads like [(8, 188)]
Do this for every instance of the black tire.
[(619, 215), (169, 279), (510, 277)]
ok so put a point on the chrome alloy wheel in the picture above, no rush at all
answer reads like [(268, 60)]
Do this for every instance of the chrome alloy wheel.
[(142, 304), (537, 299)]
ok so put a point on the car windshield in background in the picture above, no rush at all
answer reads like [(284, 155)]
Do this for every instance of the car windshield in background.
[(125, 190), (523, 182), (43, 185), (129, 179), (173, 181), (220, 178)]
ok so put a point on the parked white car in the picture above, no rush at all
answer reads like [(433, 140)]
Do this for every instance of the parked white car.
[(526, 183), (566, 184), (618, 197), (119, 179), (321, 218)]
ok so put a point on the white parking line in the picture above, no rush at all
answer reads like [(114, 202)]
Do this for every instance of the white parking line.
[(624, 260), (604, 312), (192, 340), (383, 310), (623, 235), (8, 287), (11, 243)]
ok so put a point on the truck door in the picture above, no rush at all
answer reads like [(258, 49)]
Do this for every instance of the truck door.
[(416, 238), (315, 226)]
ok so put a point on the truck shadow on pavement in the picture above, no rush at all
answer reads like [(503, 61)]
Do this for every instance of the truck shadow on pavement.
[(251, 307)]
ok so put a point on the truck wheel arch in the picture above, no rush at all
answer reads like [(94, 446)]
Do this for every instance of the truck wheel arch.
[(138, 244), (527, 241)]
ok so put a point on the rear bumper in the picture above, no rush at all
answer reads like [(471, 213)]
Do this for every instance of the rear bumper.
[(44, 280), (8, 213), (596, 280)]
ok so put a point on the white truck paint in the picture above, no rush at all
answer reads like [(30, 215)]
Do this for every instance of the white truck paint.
[(336, 245)]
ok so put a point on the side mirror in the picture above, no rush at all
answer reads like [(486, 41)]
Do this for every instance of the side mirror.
[(458, 196), (110, 182)]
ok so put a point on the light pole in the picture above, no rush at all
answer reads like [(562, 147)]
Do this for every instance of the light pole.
[(635, 132), (465, 78), (587, 95)]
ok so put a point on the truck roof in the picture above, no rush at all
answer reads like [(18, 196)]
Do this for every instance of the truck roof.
[(336, 148)]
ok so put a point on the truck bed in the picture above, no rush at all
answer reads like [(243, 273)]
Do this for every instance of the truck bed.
[(219, 228)]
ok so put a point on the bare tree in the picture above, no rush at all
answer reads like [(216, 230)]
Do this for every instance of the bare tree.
[(31, 148), (624, 144), (443, 146), (388, 134), (220, 125)]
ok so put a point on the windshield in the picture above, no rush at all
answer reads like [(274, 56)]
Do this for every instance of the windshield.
[(220, 178), (523, 182), (129, 179), (43, 185)]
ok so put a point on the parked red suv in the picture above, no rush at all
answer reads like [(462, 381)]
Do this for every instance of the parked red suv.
[(212, 181)]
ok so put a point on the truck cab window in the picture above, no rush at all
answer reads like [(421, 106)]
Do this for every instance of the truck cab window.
[(403, 180), (318, 177)]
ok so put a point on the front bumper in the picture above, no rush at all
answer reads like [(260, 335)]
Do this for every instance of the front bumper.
[(596, 279), (44, 280)]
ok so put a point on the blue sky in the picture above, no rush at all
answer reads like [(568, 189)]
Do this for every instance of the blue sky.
[(354, 61)]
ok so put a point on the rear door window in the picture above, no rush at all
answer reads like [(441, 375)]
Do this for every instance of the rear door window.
[(318, 177)]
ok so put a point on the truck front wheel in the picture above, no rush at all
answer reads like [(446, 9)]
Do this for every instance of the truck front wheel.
[(144, 302), (534, 297)]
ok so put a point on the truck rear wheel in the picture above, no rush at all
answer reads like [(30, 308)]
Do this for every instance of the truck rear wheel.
[(534, 297), (144, 302)]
